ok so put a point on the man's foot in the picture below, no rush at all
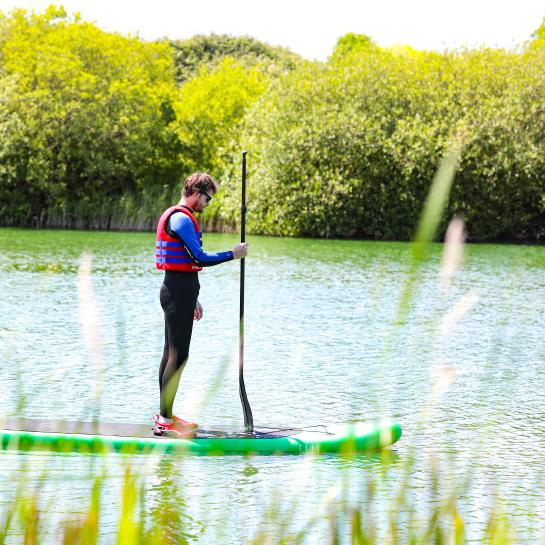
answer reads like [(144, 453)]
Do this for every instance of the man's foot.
[(173, 430), (180, 422)]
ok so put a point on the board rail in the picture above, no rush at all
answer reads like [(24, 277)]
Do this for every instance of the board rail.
[(102, 437)]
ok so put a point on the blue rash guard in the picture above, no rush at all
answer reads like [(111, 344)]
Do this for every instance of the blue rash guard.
[(182, 226)]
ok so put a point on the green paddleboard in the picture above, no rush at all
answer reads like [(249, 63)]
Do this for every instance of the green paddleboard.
[(90, 437)]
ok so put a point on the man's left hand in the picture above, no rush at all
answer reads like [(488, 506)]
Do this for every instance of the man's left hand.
[(198, 312)]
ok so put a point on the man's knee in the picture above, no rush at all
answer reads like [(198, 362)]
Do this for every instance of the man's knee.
[(182, 361)]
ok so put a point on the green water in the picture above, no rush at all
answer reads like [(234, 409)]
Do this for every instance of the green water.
[(324, 343)]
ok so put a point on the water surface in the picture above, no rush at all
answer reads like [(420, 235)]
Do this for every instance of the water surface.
[(463, 373)]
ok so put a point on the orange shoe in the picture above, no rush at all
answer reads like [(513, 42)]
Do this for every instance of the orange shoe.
[(181, 422), (173, 430)]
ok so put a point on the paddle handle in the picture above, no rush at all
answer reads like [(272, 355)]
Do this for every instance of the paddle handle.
[(248, 418)]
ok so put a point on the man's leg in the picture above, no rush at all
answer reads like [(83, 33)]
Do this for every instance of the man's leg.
[(178, 330), (164, 359)]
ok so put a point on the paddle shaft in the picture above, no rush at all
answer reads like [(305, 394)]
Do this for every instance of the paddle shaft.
[(248, 418)]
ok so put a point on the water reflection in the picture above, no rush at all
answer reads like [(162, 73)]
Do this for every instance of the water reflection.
[(165, 503)]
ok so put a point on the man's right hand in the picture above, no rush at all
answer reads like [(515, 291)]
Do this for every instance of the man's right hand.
[(240, 250)]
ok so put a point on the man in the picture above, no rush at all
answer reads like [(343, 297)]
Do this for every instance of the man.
[(179, 253)]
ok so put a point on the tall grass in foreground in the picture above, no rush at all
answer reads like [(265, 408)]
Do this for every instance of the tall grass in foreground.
[(369, 521)]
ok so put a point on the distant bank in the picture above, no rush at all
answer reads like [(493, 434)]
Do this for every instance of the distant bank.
[(99, 129)]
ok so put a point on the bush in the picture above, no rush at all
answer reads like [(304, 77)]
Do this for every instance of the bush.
[(85, 116), (349, 148)]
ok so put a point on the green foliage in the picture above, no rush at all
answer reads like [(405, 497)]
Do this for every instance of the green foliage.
[(350, 43), (538, 37), (84, 115), (210, 107), (345, 149), (96, 129), (210, 50), (349, 148), (501, 182)]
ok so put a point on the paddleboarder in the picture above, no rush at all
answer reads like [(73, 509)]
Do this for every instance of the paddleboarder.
[(179, 253)]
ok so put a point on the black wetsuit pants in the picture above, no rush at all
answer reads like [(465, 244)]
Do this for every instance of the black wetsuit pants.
[(179, 294)]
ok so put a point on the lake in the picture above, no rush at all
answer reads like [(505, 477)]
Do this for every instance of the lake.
[(463, 372)]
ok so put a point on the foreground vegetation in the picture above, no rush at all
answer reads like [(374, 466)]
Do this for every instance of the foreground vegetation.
[(369, 523), (98, 129)]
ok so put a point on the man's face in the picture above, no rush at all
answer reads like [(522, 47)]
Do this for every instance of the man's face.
[(204, 198)]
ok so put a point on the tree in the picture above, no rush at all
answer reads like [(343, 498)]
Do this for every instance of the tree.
[(90, 113), (191, 55), (210, 107)]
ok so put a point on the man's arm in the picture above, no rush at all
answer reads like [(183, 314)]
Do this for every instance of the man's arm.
[(184, 229)]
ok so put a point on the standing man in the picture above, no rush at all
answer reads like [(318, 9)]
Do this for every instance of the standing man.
[(179, 253)]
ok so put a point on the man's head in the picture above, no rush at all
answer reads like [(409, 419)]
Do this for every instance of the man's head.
[(198, 189)]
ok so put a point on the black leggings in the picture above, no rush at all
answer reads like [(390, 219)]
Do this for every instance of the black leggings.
[(178, 296)]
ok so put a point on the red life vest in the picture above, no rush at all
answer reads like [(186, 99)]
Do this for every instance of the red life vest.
[(170, 253)]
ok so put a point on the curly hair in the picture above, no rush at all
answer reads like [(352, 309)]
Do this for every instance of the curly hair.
[(199, 182)]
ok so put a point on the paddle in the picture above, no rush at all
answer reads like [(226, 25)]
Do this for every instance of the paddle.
[(248, 418)]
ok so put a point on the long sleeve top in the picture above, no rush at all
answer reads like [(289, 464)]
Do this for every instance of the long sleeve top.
[(182, 226)]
